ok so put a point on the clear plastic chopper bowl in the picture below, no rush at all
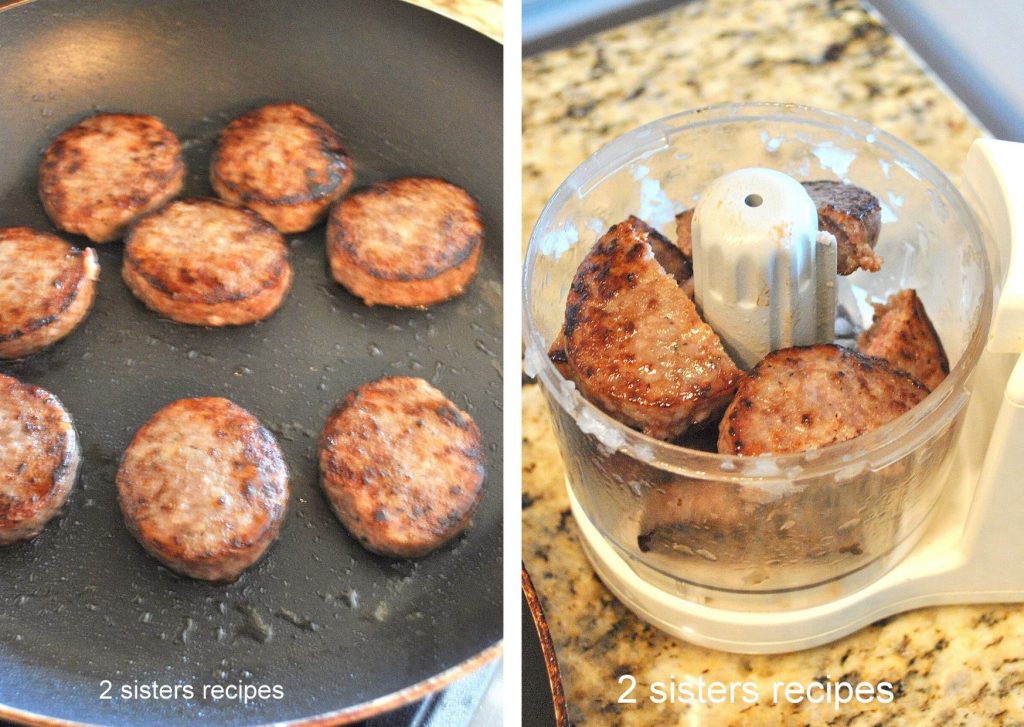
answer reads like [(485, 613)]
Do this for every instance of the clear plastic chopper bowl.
[(732, 531)]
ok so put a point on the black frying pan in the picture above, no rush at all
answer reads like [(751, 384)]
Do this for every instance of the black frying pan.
[(411, 93)]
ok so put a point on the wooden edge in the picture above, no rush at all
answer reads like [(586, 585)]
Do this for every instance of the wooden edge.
[(548, 648), (344, 716)]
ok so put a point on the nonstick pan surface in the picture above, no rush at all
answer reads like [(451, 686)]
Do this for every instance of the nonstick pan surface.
[(339, 630)]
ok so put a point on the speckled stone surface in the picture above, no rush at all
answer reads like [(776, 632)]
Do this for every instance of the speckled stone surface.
[(832, 55), (949, 666), (485, 16)]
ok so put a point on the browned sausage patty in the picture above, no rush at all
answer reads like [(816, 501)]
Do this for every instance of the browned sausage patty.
[(207, 263), (402, 467), (903, 334), (284, 162), (405, 242), (39, 458), (714, 521), (674, 262), (804, 398), (204, 488), (704, 506), (46, 289), (738, 524), (854, 216), (635, 342), (108, 170)]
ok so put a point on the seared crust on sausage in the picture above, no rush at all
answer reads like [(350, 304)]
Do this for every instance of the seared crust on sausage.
[(39, 459), (203, 486), (671, 259), (798, 399), (402, 467), (284, 162), (107, 171), (635, 342), (207, 263), (559, 357), (405, 242), (46, 289), (854, 216), (903, 334)]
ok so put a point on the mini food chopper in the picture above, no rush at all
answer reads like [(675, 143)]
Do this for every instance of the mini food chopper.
[(805, 548)]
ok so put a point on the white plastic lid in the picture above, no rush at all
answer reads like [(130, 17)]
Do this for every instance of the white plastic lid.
[(763, 277)]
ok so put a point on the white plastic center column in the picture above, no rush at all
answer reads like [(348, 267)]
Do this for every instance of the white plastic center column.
[(763, 277)]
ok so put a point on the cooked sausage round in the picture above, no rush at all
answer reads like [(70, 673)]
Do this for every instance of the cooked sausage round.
[(635, 343), (207, 263), (405, 242), (804, 398), (672, 260), (108, 170), (39, 458), (401, 466), (854, 216), (284, 162), (903, 334), (721, 521), (204, 488), (684, 232), (46, 289)]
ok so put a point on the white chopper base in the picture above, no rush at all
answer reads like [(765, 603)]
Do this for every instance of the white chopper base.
[(971, 552)]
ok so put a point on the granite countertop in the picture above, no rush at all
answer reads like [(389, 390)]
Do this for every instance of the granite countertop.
[(484, 16), (955, 665)]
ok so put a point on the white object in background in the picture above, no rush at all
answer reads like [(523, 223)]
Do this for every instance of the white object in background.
[(963, 555), (764, 280), (994, 176)]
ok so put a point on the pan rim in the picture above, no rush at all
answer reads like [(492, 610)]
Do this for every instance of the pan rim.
[(345, 715)]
